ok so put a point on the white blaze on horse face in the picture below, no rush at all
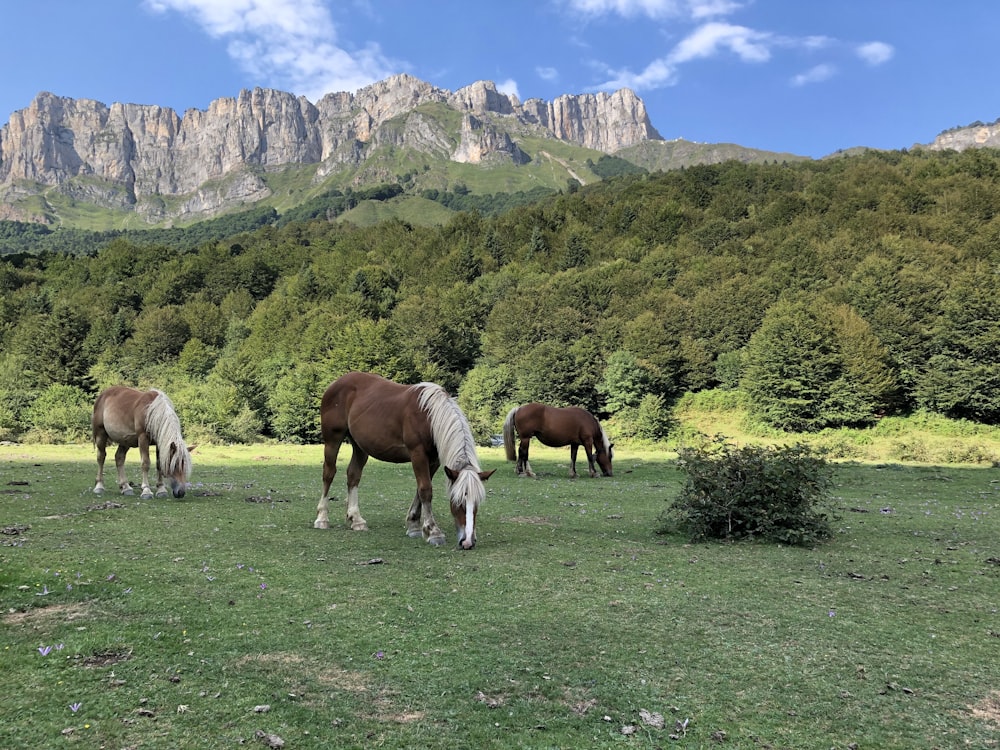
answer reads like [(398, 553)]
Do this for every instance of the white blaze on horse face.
[(470, 526)]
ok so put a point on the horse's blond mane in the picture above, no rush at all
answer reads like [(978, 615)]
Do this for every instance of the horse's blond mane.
[(454, 441), (605, 439), (164, 428)]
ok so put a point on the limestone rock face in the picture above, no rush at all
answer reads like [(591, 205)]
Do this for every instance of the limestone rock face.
[(973, 136), (131, 156)]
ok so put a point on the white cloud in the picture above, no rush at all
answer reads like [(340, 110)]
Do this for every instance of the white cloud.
[(657, 74), (709, 39), (547, 74), (875, 53), (288, 44), (508, 87), (815, 75)]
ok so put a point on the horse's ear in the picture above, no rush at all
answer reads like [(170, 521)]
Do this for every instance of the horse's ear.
[(192, 447), (450, 473), (484, 475)]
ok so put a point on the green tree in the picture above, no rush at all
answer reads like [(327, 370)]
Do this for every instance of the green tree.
[(813, 365)]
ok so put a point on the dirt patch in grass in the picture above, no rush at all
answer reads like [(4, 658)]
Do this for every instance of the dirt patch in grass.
[(341, 679), (37, 617), (344, 679), (988, 709)]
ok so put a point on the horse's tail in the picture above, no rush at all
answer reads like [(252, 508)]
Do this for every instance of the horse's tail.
[(508, 434)]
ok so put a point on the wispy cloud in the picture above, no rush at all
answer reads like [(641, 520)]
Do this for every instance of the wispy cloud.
[(547, 74), (875, 53), (657, 9), (815, 74), (710, 36), (288, 44)]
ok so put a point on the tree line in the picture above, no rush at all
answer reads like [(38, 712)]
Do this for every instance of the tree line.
[(827, 293)]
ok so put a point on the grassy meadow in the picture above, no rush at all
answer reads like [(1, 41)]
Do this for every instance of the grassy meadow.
[(225, 619)]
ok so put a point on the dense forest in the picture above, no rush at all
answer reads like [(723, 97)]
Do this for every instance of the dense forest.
[(824, 294)]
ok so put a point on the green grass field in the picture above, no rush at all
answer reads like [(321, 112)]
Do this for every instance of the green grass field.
[(225, 619)]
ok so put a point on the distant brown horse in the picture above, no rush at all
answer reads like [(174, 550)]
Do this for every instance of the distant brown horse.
[(556, 427), (135, 418), (417, 424)]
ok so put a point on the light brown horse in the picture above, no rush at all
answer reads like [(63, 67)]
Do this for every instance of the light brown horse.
[(417, 424), (135, 418), (556, 427)]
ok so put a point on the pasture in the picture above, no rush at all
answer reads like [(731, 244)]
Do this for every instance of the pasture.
[(224, 618)]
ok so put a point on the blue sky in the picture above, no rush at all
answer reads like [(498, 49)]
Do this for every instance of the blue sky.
[(804, 76)]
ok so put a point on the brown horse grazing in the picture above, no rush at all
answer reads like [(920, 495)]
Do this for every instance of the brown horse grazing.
[(556, 427), (417, 424), (141, 418)]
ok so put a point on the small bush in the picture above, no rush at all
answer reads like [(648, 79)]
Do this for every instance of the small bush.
[(775, 494)]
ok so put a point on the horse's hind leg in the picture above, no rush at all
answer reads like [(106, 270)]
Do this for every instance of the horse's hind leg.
[(123, 484), (523, 467), (331, 447), (102, 452)]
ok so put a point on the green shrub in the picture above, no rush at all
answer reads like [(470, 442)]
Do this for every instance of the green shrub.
[(60, 414), (770, 493)]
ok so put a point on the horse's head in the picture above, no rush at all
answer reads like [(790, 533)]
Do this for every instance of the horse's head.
[(604, 460), (176, 467), (465, 493)]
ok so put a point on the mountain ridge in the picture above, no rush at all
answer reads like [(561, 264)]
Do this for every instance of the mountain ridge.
[(70, 161)]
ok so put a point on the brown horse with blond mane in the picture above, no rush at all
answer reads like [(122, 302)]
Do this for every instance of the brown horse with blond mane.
[(416, 424), (556, 427), (139, 419)]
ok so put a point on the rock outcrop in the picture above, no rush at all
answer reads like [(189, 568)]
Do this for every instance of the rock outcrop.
[(131, 156)]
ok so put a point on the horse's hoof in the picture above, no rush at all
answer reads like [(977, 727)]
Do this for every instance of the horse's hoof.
[(163, 494), (317, 524), (145, 496), (98, 490), (359, 526), (435, 541), (128, 492), (414, 533)]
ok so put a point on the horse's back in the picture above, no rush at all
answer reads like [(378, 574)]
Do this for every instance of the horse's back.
[(379, 415), (119, 411), (556, 426), (353, 388)]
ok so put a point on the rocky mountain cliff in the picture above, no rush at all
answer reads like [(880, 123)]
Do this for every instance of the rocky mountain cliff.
[(150, 161), (976, 135)]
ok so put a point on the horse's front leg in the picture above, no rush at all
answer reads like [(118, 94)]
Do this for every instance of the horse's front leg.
[(590, 459), (424, 470), (331, 447), (354, 469), (414, 523), (123, 484), (523, 467), (161, 489), (572, 460), (147, 492)]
